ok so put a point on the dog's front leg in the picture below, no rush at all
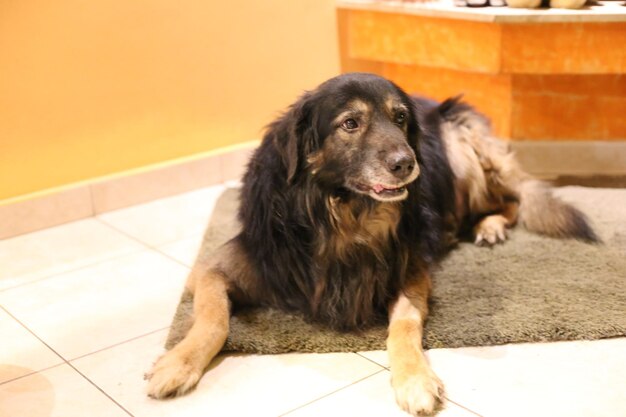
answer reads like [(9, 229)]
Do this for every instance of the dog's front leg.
[(179, 370), (417, 388)]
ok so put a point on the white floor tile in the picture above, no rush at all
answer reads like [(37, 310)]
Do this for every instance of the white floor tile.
[(568, 379), (237, 386), (169, 219), (371, 397), (184, 251), (36, 255), (56, 392), (21, 352), (85, 310)]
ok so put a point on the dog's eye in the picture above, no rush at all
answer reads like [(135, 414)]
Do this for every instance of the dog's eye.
[(350, 124), (400, 118)]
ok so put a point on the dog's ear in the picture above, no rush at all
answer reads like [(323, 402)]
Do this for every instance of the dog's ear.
[(294, 135), (415, 127)]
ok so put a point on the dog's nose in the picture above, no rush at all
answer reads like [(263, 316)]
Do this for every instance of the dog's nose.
[(400, 164)]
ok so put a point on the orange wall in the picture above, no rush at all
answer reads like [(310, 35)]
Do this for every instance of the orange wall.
[(91, 88)]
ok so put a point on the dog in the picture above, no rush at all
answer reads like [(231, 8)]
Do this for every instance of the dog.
[(353, 195)]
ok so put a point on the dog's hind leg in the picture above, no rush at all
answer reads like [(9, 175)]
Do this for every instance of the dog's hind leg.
[(178, 370), (491, 229), (417, 388)]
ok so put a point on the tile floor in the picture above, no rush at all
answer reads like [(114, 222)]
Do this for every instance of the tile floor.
[(84, 310)]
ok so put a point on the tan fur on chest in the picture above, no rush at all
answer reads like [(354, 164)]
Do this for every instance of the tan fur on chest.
[(354, 226)]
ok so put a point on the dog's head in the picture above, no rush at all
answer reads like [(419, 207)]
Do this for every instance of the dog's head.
[(355, 132)]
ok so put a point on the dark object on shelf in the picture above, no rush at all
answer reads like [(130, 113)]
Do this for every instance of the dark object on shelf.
[(479, 3)]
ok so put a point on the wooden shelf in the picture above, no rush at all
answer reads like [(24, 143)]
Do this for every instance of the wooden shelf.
[(539, 74)]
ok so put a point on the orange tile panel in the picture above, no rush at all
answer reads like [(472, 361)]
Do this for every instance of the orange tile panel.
[(424, 41), (491, 94), (347, 63), (569, 107), (564, 48), (609, 85)]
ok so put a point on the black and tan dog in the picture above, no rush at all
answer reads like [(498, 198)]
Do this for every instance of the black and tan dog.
[(352, 196)]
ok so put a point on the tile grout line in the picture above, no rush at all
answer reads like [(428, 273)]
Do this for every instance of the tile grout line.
[(66, 362), (226, 184), (34, 372), (463, 407), (331, 393), (91, 200), (155, 247), (81, 356), (119, 343), (447, 398), (373, 361), (150, 246), (32, 332), (147, 245), (78, 268), (100, 389)]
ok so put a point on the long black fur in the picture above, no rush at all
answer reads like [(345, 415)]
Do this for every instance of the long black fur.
[(283, 212)]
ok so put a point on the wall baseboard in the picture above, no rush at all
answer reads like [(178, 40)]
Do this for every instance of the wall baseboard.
[(54, 207), (574, 158)]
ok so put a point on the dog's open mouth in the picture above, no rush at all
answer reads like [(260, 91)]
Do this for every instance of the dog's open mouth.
[(384, 192)]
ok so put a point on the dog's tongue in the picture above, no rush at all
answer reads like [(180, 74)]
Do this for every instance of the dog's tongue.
[(378, 188)]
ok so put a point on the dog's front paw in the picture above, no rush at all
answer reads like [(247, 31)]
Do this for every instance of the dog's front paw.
[(420, 393), (491, 230), (172, 375)]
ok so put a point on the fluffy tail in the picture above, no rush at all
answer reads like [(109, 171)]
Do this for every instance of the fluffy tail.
[(488, 171), (541, 212)]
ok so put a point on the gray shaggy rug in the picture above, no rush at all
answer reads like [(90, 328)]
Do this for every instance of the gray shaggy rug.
[(530, 289)]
